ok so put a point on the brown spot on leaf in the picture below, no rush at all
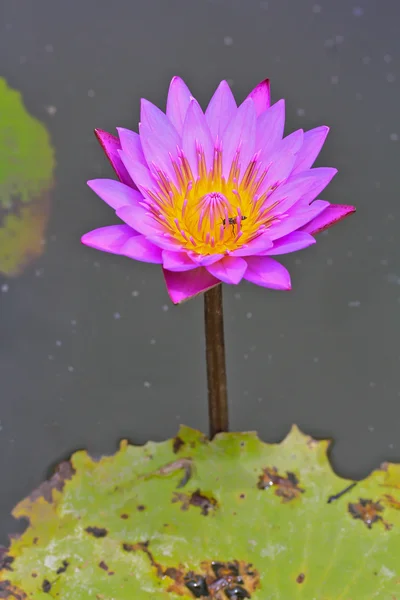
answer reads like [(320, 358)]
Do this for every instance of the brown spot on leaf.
[(286, 488), (217, 580), (6, 561), (63, 568), (103, 565), (392, 501), (368, 512), (64, 472), (234, 580), (300, 578), (129, 547), (144, 547), (10, 592), (171, 572), (34, 575), (124, 516), (177, 444), (46, 586), (197, 584), (97, 532), (205, 503), (141, 507), (242, 496)]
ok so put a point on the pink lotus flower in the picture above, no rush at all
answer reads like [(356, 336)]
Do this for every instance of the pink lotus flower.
[(213, 196)]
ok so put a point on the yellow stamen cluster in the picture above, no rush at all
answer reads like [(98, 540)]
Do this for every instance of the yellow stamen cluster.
[(209, 214)]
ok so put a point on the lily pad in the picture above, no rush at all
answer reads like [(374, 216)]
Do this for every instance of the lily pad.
[(228, 519), (26, 178)]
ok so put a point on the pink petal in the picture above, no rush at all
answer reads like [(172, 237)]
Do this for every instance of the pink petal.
[(204, 260), (290, 243), (131, 145), (257, 246), (159, 138), (270, 127), (179, 97), (155, 119), (177, 261), (115, 193), (221, 110), (140, 248), (131, 155), (196, 134), (109, 239), (160, 150), (140, 219), (312, 144), (182, 286), (282, 159), (300, 190), (239, 135), (267, 272), (331, 215), (296, 219), (166, 242), (261, 96), (111, 145), (139, 173), (229, 269)]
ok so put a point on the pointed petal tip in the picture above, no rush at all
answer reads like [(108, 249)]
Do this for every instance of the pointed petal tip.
[(261, 96), (177, 80), (111, 145), (122, 130), (99, 133), (146, 107), (224, 84), (264, 86), (332, 214)]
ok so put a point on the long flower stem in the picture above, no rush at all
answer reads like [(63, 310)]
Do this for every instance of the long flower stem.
[(215, 356)]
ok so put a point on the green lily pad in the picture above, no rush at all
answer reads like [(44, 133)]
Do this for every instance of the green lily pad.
[(188, 518), (26, 179)]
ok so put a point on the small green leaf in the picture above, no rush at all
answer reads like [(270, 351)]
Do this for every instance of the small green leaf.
[(26, 178), (186, 518)]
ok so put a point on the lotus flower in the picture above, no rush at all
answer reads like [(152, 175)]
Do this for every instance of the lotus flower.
[(212, 196)]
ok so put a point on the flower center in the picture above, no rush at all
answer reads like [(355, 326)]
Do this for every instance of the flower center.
[(210, 214)]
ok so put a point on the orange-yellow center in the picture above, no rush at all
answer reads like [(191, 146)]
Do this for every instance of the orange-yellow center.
[(211, 214)]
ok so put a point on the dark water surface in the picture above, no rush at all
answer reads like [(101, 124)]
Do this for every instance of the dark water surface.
[(92, 349)]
